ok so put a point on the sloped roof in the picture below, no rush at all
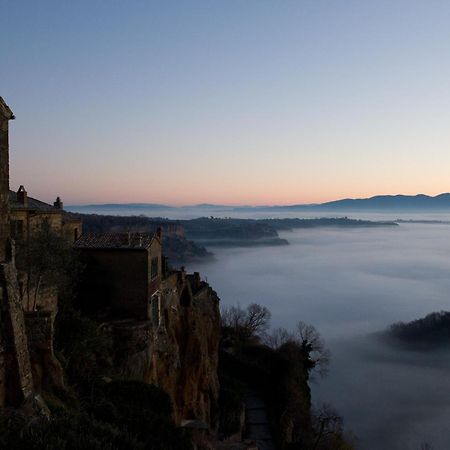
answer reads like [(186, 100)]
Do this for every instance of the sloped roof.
[(5, 111), (115, 240), (32, 204)]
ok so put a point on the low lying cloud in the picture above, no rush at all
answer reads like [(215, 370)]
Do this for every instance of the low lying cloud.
[(350, 283)]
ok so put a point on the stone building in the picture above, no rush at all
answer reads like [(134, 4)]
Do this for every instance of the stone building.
[(5, 116), (27, 214), (122, 272)]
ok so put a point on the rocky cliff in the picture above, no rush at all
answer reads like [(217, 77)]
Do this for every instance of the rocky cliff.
[(177, 349)]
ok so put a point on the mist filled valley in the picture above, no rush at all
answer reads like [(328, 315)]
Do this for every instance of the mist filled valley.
[(350, 284)]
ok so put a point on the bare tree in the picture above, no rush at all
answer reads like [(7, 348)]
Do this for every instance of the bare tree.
[(326, 423), (313, 344), (246, 323), (257, 319), (279, 337)]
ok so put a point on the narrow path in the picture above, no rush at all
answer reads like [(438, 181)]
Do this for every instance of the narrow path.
[(257, 426)]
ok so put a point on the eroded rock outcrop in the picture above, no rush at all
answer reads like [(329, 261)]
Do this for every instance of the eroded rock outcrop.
[(178, 348)]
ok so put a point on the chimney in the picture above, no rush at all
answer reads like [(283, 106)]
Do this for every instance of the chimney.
[(22, 196), (58, 203), (159, 233)]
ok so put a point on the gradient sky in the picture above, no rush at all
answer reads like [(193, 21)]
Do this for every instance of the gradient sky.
[(232, 101)]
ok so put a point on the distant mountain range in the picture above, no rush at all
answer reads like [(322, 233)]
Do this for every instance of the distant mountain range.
[(377, 203)]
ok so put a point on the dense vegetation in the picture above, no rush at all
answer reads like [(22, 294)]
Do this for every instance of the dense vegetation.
[(341, 222), (432, 331)]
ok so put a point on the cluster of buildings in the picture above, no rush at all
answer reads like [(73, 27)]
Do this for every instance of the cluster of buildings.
[(126, 284), (123, 271)]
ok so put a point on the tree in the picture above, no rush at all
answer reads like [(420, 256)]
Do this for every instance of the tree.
[(279, 337), (44, 258), (308, 339), (248, 323), (313, 344), (328, 429)]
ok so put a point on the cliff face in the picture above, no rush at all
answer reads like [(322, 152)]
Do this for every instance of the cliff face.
[(16, 382), (178, 348)]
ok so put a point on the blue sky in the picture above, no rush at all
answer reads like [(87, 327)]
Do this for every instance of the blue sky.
[(227, 101)]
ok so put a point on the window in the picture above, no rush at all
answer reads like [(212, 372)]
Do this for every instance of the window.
[(154, 270)]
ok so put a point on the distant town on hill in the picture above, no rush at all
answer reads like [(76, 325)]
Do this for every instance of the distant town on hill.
[(376, 203)]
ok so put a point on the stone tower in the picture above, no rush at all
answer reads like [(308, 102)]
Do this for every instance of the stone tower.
[(5, 116)]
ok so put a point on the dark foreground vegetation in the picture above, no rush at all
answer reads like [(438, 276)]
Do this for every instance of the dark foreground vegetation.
[(277, 365), (115, 415), (430, 332)]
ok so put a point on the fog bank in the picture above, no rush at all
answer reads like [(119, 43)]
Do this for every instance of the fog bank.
[(350, 283)]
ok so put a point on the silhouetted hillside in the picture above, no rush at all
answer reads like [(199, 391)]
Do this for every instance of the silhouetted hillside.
[(432, 331)]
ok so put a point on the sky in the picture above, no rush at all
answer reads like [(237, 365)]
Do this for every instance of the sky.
[(230, 102)]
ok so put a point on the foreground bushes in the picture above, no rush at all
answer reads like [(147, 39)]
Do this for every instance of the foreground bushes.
[(119, 415)]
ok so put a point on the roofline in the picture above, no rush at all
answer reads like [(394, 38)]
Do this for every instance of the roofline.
[(139, 249), (5, 110), (36, 210)]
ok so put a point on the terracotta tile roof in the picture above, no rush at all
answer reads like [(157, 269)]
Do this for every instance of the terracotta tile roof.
[(115, 240), (32, 204)]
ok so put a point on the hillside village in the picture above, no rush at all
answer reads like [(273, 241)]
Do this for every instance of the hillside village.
[(164, 322), (138, 355)]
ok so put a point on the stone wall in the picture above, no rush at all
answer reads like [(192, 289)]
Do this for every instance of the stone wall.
[(116, 282), (5, 116)]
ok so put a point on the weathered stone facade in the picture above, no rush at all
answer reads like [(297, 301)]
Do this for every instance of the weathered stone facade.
[(27, 215), (5, 116)]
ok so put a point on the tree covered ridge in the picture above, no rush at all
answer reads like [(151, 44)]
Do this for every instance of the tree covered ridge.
[(431, 331)]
